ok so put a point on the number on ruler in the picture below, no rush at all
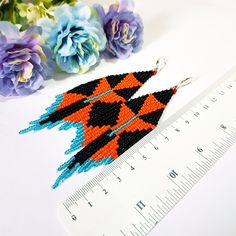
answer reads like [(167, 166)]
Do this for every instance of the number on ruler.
[(140, 205), (213, 99), (197, 114), (187, 122), (155, 147), (199, 149), (132, 168), (229, 86), (90, 204), (119, 179), (73, 217), (221, 92), (144, 157), (206, 107), (223, 127), (105, 191), (177, 130), (173, 174)]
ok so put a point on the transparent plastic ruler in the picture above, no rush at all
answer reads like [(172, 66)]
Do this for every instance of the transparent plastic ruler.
[(132, 195)]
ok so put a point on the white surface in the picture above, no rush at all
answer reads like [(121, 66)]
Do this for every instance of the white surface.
[(198, 39)]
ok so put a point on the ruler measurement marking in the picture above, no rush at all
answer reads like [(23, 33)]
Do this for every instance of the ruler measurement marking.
[(226, 146), (231, 135), (209, 162), (160, 210), (137, 229), (199, 174), (188, 182), (222, 147), (231, 142), (156, 213), (205, 167), (175, 183), (185, 186), (67, 208), (132, 233), (161, 213), (152, 219), (163, 206), (212, 158), (70, 202), (199, 153), (151, 222), (191, 179), (168, 202), (206, 164), (144, 226), (202, 169), (227, 142), (193, 174), (143, 230), (199, 170), (143, 216), (216, 154), (122, 233), (153, 216), (147, 226), (179, 192), (86, 189), (173, 196), (177, 196), (219, 148)]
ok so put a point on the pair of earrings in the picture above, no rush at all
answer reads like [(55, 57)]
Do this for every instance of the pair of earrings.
[(107, 121)]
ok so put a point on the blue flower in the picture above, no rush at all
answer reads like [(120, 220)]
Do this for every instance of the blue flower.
[(75, 36)]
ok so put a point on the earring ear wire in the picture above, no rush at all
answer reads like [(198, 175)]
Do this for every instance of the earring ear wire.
[(185, 82), (160, 64)]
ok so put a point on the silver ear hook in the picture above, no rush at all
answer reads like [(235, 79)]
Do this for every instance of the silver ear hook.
[(185, 82), (161, 63)]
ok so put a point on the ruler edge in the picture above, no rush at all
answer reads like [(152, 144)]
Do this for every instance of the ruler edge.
[(85, 188)]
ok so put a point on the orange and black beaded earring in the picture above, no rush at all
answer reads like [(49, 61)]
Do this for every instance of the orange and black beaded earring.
[(131, 121), (88, 106), (107, 121)]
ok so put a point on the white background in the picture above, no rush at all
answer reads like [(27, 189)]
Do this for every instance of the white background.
[(198, 38)]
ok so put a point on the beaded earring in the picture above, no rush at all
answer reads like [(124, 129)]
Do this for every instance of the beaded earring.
[(81, 106), (131, 121), (107, 121)]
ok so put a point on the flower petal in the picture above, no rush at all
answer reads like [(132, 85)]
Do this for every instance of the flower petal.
[(9, 30), (80, 11), (100, 11), (25, 74), (63, 16), (126, 5), (49, 31)]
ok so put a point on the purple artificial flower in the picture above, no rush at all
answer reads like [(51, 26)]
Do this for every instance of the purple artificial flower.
[(25, 62), (123, 28)]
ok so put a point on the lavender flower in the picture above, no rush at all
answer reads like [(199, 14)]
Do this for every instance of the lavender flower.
[(123, 28), (24, 61)]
